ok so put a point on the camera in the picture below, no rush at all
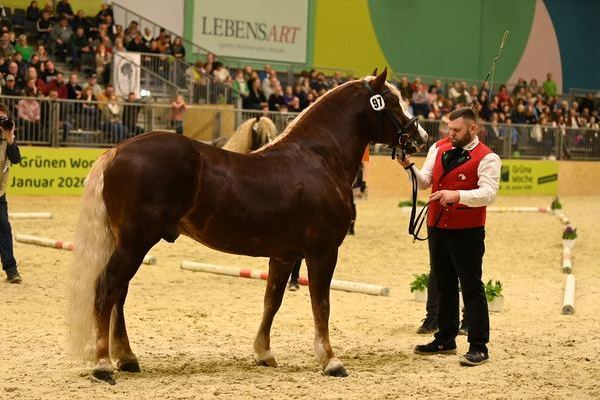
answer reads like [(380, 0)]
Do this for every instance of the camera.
[(6, 123)]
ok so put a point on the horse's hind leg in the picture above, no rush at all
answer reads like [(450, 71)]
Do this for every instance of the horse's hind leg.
[(120, 350), (320, 272), (279, 272), (122, 266)]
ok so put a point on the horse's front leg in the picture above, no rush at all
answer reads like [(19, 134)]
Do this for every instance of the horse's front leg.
[(320, 272), (279, 272)]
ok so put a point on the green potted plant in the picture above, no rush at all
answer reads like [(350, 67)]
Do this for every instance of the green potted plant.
[(569, 237), (419, 287), (408, 203), (556, 205), (493, 294)]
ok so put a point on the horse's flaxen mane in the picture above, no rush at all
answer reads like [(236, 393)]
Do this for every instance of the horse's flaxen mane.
[(302, 115), (241, 140), (368, 78)]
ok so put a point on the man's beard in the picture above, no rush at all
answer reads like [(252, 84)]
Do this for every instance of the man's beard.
[(461, 143)]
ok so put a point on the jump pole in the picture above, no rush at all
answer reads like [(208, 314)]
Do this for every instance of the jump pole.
[(563, 218), (567, 262), (568, 307), (61, 245), (30, 215), (336, 284)]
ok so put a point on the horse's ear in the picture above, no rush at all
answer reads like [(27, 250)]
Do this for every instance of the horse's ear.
[(258, 118), (379, 82), (374, 72)]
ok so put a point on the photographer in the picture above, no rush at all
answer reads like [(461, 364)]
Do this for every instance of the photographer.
[(9, 154)]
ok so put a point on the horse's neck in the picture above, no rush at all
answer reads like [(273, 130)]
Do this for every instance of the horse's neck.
[(333, 131)]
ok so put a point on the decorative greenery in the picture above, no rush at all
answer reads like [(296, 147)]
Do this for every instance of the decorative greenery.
[(408, 203), (420, 283), (493, 290), (556, 205), (569, 233)]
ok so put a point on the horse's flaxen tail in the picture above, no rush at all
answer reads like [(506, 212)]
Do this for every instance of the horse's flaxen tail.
[(94, 245)]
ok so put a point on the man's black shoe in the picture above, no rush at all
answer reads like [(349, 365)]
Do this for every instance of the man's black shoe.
[(474, 358), (429, 326), (13, 277), (293, 286), (464, 328), (436, 347)]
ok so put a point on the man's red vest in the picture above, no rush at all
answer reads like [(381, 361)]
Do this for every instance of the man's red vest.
[(463, 177)]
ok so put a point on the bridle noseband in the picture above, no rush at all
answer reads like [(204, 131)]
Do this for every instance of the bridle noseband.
[(403, 138)]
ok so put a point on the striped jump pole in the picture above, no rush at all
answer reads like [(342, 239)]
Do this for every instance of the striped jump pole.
[(563, 218), (567, 262), (348, 286), (519, 209), (568, 307), (61, 245), (30, 215)]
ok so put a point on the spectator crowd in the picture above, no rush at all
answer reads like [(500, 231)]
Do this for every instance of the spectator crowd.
[(88, 43)]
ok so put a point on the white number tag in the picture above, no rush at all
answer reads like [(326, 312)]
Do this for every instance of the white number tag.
[(377, 102)]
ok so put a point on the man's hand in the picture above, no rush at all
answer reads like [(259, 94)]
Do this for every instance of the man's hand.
[(445, 197), (10, 136), (406, 162)]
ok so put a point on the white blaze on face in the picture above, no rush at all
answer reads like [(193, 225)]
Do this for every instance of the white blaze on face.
[(407, 113)]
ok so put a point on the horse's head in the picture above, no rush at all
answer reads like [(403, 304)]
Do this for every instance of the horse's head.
[(392, 123), (263, 131)]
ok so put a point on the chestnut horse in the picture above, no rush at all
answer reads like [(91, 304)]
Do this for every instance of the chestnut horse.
[(291, 199)]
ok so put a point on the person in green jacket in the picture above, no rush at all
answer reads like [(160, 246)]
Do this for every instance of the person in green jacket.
[(549, 86), (23, 48)]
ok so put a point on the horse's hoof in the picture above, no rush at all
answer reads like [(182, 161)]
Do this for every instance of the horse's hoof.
[(269, 362), (129, 366), (339, 372), (104, 376)]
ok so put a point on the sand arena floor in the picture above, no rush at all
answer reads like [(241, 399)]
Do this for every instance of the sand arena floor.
[(193, 332)]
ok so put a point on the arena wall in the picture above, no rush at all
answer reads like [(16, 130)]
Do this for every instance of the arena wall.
[(387, 179)]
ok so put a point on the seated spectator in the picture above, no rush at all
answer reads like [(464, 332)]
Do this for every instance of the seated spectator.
[(74, 90), (105, 10), (178, 50), (13, 69), (42, 54), (454, 93), (288, 95), (337, 79), (105, 95), (89, 113), (221, 73), (405, 88), (131, 32), (301, 95), (294, 105), (80, 47), (240, 86), (60, 39), (6, 49), (10, 88), (420, 101), (28, 114), (276, 100), (256, 99), (59, 85), (147, 36), (131, 111), (103, 60), (503, 94), (80, 21), (113, 115), (44, 27), (92, 82), (119, 47), (64, 10), (269, 84), (25, 49), (137, 45), (32, 75), (49, 72), (319, 83), (33, 12)]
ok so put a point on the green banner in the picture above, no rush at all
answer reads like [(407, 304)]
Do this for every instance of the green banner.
[(51, 171), (529, 177)]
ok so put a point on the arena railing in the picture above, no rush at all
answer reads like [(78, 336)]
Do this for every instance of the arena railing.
[(46, 122)]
